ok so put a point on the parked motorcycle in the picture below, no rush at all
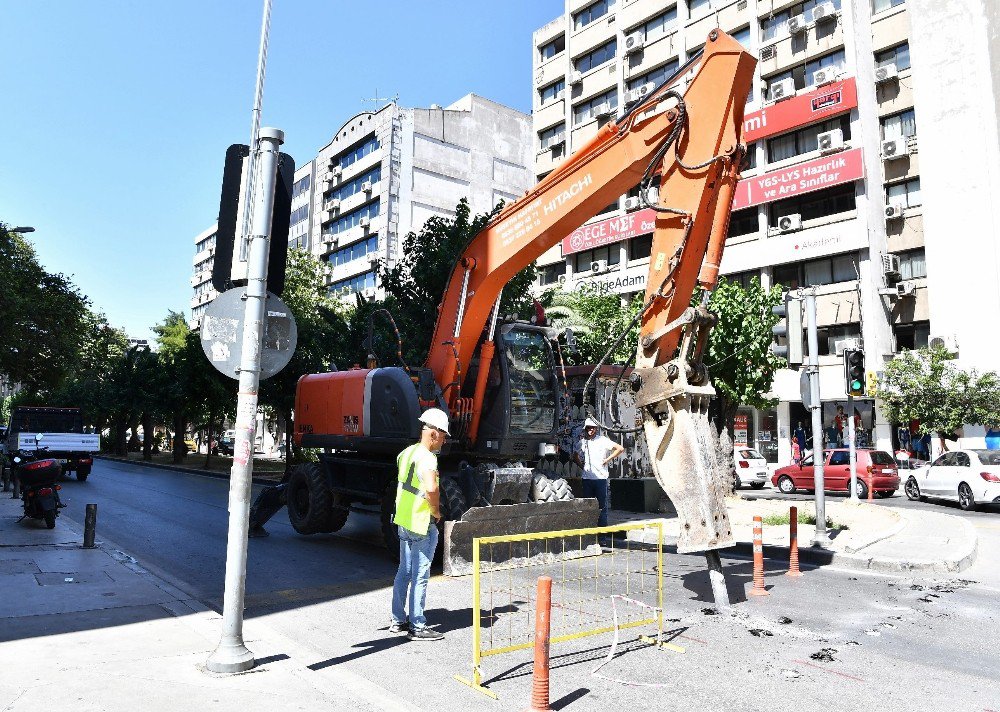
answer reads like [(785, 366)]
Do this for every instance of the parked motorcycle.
[(37, 475)]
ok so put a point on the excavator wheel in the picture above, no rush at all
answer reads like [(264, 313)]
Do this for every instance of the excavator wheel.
[(545, 490), (453, 504), (562, 490), (309, 500)]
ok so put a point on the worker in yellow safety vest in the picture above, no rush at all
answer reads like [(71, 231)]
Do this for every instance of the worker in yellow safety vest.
[(417, 504)]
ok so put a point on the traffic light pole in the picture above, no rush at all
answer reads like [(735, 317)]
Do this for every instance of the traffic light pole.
[(822, 539), (853, 448)]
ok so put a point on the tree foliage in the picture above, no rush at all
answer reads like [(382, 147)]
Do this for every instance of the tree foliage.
[(926, 385), (739, 355), (415, 285), (597, 319)]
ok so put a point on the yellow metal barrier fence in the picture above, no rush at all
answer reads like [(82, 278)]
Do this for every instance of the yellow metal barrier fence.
[(630, 566)]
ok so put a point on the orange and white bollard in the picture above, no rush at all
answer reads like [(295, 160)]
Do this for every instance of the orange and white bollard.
[(871, 484), (543, 627), (793, 542), (758, 559)]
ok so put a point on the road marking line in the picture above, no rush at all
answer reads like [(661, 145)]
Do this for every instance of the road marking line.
[(834, 672)]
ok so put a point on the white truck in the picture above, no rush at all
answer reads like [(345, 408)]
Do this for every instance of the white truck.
[(62, 437)]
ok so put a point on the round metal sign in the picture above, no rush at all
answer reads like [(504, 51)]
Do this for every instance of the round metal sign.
[(222, 334)]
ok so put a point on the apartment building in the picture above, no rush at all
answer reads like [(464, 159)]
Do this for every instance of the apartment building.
[(830, 196), (386, 172), (201, 280)]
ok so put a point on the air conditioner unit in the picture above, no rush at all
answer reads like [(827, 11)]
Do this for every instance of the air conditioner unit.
[(365, 221), (885, 73), (333, 205), (789, 223), (831, 141), (368, 293), (634, 42), (893, 211), (329, 213), (599, 266), (367, 186), (906, 289), (894, 148), (890, 266), (767, 53), (944, 341), (639, 92), (796, 24), (632, 203), (329, 239), (842, 345), (824, 11), (824, 76), (561, 279), (373, 257), (575, 77), (782, 90), (539, 79), (603, 109)]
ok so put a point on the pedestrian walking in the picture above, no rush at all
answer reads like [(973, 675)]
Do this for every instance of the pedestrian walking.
[(418, 510), (593, 453)]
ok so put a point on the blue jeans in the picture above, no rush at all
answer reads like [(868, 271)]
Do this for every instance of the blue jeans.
[(598, 489), (415, 555)]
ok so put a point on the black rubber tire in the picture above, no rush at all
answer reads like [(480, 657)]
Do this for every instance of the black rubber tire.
[(912, 490), (453, 504), (758, 485), (562, 489), (738, 482), (786, 485), (82, 474), (389, 534), (862, 489), (50, 519), (542, 489), (309, 500), (886, 494), (966, 500)]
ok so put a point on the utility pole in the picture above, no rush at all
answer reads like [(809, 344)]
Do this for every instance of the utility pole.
[(822, 539), (853, 458), (232, 655)]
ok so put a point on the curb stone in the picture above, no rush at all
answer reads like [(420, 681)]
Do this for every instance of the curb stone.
[(180, 468)]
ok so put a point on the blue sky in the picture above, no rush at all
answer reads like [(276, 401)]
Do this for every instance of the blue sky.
[(117, 114)]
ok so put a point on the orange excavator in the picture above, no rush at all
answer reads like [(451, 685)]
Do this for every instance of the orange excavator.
[(498, 379)]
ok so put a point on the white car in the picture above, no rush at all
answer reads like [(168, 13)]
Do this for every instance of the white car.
[(969, 477), (751, 467)]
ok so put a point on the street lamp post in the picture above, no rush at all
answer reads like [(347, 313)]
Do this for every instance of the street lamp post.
[(23, 230)]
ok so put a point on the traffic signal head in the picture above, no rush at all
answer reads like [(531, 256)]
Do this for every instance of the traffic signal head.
[(854, 372), (789, 312)]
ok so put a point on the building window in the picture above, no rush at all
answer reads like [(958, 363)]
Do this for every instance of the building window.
[(804, 140), (592, 12), (814, 273), (605, 103), (353, 252), (552, 91), (656, 76), (830, 335), (774, 24), (551, 49), (639, 248), (299, 214), (582, 260), (550, 274), (365, 280), (550, 137), (743, 36), (742, 278), (898, 55), (820, 204), (597, 57), (912, 264), (658, 26), (743, 222), (802, 76), (301, 186), (882, 5), (359, 152), (695, 6), (906, 194), (353, 218), (899, 125), (355, 185), (911, 336)]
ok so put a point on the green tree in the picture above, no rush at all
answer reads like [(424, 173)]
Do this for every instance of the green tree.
[(181, 362), (415, 285), (43, 320), (739, 356), (597, 320)]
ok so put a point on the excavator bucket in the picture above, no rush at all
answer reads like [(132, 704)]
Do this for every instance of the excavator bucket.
[(684, 461), (506, 519)]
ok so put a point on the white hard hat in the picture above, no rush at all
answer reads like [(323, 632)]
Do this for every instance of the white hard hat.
[(591, 423), (436, 418)]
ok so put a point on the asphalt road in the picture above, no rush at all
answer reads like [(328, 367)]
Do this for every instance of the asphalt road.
[(832, 637)]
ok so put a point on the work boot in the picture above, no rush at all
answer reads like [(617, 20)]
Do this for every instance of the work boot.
[(425, 634)]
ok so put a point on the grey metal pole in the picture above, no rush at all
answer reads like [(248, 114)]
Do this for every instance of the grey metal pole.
[(853, 449), (821, 538), (90, 526), (232, 655)]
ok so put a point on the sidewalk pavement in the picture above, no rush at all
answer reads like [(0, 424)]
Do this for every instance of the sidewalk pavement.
[(874, 537), (90, 629)]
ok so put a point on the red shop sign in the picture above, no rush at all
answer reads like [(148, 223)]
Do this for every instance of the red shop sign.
[(821, 103), (798, 179), (607, 232)]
